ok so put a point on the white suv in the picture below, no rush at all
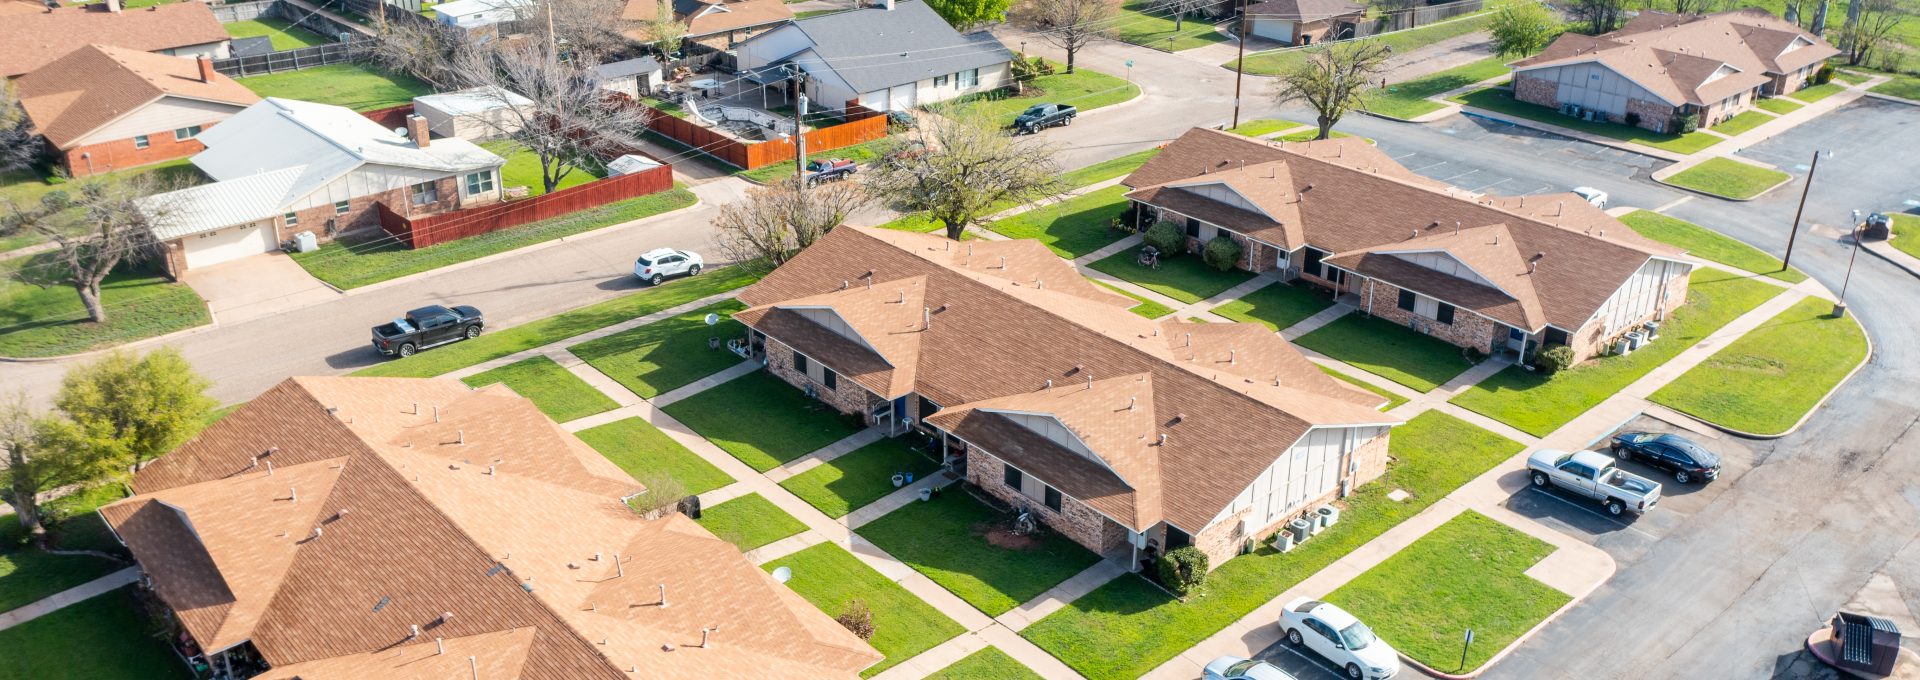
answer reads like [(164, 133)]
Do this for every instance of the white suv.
[(1339, 637), (658, 264)]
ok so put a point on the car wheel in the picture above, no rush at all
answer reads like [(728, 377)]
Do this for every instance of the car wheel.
[(1616, 508), (1353, 671), (656, 280), (1293, 637), (1539, 479), (695, 271), (473, 332), (1623, 454), (406, 350), (1682, 477)]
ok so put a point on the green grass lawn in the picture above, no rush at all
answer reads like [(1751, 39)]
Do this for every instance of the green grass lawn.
[(1107, 169), (1146, 308), (1728, 178), (1128, 626), (666, 354), (27, 186), (1389, 350), (1310, 134), (1469, 573), (1277, 306), (1070, 228), (644, 451), (1747, 120), (946, 539), (1393, 400), (918, 222), (862, 476), (1906, 233), (1767, 380), (285, 36), (27, 575), (46, 322), (1903, 85), (1502, 101), (350, 85), (523, 169), (864, 153), (987, 664), (903, 625), (1779, 105), (1263, 126), (372, 258), (1708, 244), (497, 343), (1410, 99), (1538, 405), (1817, 92), (750, 521), (103, 638), (1851, 77), (1085, 89), (1276, 61), (559, 393), (761, 420), (1142, 24), (1184, 278)]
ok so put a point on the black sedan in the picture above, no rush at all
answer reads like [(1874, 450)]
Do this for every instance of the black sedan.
[(1687, 461)]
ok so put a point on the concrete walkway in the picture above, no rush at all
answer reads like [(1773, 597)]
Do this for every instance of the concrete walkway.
[(70, 596)]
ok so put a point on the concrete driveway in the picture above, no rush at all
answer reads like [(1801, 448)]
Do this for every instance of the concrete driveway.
[(257, 286)]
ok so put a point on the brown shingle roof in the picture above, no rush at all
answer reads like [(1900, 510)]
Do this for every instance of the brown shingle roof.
[(97, 84), (29, 41), (998, 336), (429, 499), (707, 17), (1674, 56), (1353, 206), (1303, 10)]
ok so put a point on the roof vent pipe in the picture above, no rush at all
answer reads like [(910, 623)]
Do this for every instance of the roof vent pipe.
[(903, 297), (440, 646), (1456, 227), (413, 631), (663, 592), (706, 637), (293, 494), (620, 570), (1003, 262), (416, 408), (474, 662), (1163, 439), (1130, 403), (926, 318), (489, 470), (269, 468), (1189, 340), (316, 533), (1496, 238), (1231, 356), (1089, 381), (436, 414), (462, 434)]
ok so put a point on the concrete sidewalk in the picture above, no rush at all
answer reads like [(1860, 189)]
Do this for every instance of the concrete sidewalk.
[(68, 597)]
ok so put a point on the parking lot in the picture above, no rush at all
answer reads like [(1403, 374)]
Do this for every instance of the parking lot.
[(1305, 665), (1511, 160)]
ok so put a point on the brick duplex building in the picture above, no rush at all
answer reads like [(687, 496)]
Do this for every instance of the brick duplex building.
[(104, 108), (1488, 273), (1120, 432)]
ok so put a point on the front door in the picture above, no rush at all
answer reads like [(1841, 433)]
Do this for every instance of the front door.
[(900, 413), (1516, 339)]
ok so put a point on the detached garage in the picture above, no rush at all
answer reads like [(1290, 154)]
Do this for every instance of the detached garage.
[(474, 114), (214, 223)]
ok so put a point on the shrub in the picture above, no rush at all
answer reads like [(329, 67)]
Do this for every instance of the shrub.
[(1633, 119), (857, 618), (1824, 75), (1021, 69), (1183, 569), (1042, 66), (1555, 359), (1169, 238), (1684, 124), (1221, 252)]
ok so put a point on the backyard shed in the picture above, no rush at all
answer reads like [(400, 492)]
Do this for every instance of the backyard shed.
[(633, 77), (631, 163), (477, 113), (470, 14)]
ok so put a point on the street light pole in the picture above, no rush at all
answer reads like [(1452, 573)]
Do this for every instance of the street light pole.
[(1840, 307), (1815, 167), (1240, 64), (800, 143)]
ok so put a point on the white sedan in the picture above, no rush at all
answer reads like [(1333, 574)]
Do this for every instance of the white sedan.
[(1339, 637), (1236, 668)]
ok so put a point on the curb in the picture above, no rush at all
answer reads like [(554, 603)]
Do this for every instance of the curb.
[(1804, 417), (1890, 260), (1629, 147), (1891, 98), (1501, 655), (212, 324)]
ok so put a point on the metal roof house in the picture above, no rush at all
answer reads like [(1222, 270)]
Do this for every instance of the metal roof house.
[(892, 55)]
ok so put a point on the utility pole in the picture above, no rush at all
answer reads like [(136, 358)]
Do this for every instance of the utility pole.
[(1239, 65), (553, 42), (1840, 307), (800, 143), (1815, 167)]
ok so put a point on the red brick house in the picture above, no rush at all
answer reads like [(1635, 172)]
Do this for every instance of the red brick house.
[(1120, 432), (1303, 22), (32, 39), (106, 108), (1488, 273)]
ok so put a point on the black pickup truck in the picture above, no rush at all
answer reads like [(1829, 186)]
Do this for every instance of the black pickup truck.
[(426, 327), (1042, 116)]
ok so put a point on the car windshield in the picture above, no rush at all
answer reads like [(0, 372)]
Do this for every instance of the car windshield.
[(1357, 636), (1241, 668)]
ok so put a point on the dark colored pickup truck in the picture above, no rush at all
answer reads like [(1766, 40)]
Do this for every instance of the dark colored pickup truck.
[(1042, 116), (830, 170), (426, 327)]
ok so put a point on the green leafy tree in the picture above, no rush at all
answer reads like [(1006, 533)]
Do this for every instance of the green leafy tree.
[(39, 453), (958, 168), (967, 15), (1522, 28), (1333, 80), (132, 408)]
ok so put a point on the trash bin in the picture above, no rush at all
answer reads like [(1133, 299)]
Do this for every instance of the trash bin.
[(1879, 227), (926, 493)]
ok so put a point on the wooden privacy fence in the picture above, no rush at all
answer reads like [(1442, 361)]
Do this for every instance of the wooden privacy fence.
[(427, 230), (289, 60), (862, 125), (391, 117)]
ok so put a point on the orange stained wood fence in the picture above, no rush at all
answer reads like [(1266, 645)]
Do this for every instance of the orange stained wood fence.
[(427, 230)]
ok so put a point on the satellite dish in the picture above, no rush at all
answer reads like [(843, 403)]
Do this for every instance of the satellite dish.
[(712, 318), (783, 574), (400, 131)]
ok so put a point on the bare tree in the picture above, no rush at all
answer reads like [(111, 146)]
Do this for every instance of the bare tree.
[(570, 122), (1819, 19), (1684, 7), (662, 32), (586, 31), (1599, 16), (1066, 24), (1333, 80), (662, 495), (109, 222), (1179, 9), (20, 146), (779, 220), (1877, 19), (38, 456), (956, 169), (427, 51)]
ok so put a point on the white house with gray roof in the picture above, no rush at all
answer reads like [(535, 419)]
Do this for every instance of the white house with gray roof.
[(890, 56)]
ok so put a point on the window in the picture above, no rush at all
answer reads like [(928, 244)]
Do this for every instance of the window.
[(939, 81), (479, 182), (1052, 499), (829, 378), (1193, 228), (928, 407), (425, 193), (1406, 300), (1011, 477), (1444, 314), (1556, 336), (969, 78), (340, 207), (800, 362), (186, 133), (292, 219), (141, 142)]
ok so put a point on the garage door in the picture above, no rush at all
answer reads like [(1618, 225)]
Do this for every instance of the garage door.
[(876, 100), (214, 247), (1275, 29), (901, 98)]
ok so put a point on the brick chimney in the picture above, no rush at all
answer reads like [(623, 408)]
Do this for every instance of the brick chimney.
[(417, 129), (206, 68)]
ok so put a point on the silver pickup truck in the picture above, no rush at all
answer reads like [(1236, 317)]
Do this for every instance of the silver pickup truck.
[(1593, 475)]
